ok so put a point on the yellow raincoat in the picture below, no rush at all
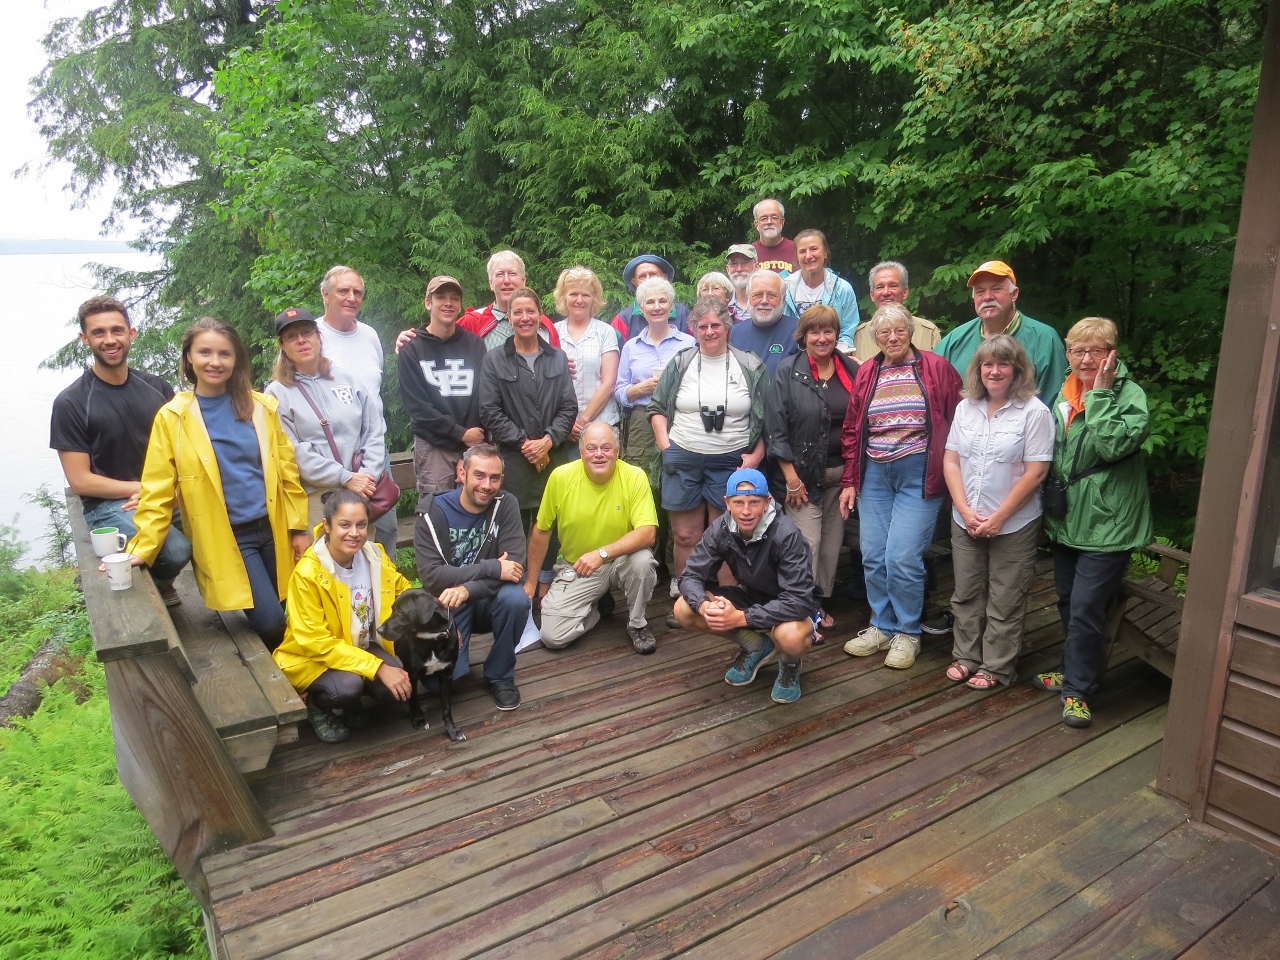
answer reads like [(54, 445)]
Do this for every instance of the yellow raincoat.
[(320, 631), (181, 470)]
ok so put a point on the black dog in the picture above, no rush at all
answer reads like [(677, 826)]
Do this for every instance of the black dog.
[(426, 642)]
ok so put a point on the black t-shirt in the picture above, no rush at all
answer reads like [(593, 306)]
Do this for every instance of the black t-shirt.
[(111, 424), (837, 398)]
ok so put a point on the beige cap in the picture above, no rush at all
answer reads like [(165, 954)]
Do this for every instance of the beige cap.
[(443, 281)]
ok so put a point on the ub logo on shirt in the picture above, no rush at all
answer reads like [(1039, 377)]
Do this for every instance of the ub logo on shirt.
[(453, 381), (343, 393)]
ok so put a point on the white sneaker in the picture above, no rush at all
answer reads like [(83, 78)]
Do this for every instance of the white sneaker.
[(902, 651), (868, 642), (675, 588)]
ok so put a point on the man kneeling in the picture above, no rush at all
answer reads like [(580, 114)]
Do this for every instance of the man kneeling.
[(770, 613), (607, 523)]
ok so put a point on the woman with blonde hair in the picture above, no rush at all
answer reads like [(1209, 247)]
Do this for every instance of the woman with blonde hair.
[(222, 453), (591, 344), (1096, 508), (335, 426), (998, 452)]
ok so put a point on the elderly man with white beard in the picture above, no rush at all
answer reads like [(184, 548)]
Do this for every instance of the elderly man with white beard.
[(771, 334), (739, 264)]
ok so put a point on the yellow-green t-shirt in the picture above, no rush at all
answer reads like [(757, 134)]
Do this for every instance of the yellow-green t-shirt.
[(591, 515)]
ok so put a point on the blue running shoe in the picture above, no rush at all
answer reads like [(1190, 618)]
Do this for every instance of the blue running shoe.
[(748, 664), (786, 689)]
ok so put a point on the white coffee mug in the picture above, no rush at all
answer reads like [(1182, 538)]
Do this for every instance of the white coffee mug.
[(107, 540), (119, 570)]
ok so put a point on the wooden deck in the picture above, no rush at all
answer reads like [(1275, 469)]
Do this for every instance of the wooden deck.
[(640, 807)]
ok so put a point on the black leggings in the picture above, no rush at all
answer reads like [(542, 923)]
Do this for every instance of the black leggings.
[(339, 689)]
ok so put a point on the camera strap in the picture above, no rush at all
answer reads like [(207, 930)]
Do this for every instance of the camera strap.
[(726, 379)]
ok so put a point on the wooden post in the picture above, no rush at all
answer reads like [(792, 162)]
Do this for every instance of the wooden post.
[(1243, 395)]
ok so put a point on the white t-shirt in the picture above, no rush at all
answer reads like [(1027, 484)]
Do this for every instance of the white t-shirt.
[(357, 354), (359, 581), (806, 296), (710, 385), (597, 340), (994, 454)]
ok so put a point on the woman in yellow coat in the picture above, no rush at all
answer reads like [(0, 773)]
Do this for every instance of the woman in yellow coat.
[(221, 455), (341, 592)]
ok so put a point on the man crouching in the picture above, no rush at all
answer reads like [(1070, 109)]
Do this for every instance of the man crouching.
[(769, 614)]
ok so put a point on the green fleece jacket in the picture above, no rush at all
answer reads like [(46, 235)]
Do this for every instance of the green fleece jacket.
[(1108, 511), (1041, 341), (664, 397)]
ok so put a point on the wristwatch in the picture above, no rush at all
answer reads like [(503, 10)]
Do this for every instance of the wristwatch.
[(604, 554)]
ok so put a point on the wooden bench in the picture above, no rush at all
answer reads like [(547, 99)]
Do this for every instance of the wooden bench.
[(1148, 616), (402, 474)]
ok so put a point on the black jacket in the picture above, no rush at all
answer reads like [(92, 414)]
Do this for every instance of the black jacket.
[(517, 404), (797, 422), (482, 577), (776, 570), (445, 406)]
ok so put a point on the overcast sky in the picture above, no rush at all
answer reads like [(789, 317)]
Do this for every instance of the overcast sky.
[(35, 206)]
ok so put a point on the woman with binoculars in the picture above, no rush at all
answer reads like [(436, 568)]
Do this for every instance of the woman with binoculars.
[(707, 416)]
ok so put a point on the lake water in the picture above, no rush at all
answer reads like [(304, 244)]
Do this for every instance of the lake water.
[(44, 292)]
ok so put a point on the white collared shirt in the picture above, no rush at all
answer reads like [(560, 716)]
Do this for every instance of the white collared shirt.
[(994, 454)]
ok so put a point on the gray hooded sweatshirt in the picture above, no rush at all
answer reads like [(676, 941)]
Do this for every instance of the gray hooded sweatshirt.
[(354, 418)]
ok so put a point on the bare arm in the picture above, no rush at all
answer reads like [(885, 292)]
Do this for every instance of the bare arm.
[(85, 483), (608, 379), (628, 543), (539, 541), (659, 424), (955, 486)]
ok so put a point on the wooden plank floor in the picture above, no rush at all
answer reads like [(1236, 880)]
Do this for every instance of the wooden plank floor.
[(641, 807)]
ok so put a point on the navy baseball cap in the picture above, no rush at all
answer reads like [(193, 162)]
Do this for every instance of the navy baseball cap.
[(759, 486), (293, 315)]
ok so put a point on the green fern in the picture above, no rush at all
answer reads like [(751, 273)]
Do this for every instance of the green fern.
[(80, 874)]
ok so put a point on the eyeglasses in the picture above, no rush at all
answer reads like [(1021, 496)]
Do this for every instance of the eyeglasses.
[(769, 218), (1097, 353), (709, 327)]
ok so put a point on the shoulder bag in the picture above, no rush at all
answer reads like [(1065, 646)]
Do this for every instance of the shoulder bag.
[(386, 495)]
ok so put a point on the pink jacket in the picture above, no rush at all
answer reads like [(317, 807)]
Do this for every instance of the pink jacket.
[(941, 386)]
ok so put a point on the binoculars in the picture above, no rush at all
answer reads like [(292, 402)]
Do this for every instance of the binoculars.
[(712, 420)]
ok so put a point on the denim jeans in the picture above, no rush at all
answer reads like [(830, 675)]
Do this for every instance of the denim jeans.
[(1085, 582), (175, 552), (505, 613), (258, 550), (896, 525)]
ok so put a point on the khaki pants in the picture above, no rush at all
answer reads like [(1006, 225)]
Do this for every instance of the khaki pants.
[(436, 470), (993, 578), (823, 528), (569, 608)]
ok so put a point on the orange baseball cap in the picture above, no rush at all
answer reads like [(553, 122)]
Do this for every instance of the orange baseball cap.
[(995, 267)]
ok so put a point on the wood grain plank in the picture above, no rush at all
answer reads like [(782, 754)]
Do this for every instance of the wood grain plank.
[(278, 691), (1250, 933), (756, 934), (1058, 930), (1247, 797), (1253, 702), (995, 909), (1177, 913), (1257, 655), (1246, 748)]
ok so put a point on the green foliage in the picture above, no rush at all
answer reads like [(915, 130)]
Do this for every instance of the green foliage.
[(61, 543), (12, 580), (407, 564), (80, 874), (46, 606), (1099, 147)]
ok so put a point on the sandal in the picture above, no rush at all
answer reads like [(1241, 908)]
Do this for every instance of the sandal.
[(958, 672), (982, 681), (1050, 682), (827, 621)]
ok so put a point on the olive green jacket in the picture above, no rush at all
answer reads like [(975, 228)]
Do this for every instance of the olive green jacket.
[(1108, 511), (753, 368)]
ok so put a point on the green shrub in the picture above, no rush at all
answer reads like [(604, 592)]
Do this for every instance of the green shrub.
[(80, 874)]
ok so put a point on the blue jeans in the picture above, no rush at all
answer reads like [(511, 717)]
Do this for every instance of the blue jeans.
[(505, 613), (175, 552), (1085, 582), (258, 550), (896, 525)]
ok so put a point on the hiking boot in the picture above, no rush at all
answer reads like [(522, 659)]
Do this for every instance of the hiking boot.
[(939, 626), (902, 651), (606, 604), (1075, 712), (1050, 682), (642, 639), (328, 728), (672, 622), (168, 594), (505, 694), (868, 642), (786, 689), (748, 664)]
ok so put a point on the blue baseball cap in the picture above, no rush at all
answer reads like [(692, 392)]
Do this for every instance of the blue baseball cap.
[(759, 485)]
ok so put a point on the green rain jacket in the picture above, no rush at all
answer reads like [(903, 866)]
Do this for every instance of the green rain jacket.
[(1108, 511)]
